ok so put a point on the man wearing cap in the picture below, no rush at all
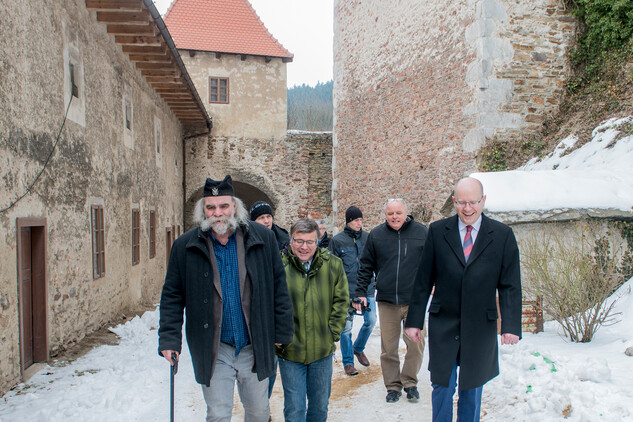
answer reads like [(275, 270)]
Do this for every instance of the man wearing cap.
[(348, 245), (262, 213), (227, 276)]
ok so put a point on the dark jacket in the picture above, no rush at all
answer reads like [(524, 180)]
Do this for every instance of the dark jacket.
[(189, 286), (320, 301), (394, 256), (463, 312), (282, 236), (348, 245), (324, 241)]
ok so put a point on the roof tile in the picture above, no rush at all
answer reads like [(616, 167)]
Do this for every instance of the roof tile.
[(223, 26)]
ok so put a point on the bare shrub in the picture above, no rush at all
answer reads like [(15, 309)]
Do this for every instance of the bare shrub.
[(575, 271)]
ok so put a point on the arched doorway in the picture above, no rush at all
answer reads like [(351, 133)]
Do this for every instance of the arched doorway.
[(249, 194)]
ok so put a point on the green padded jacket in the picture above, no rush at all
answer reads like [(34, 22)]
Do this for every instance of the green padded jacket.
[(320, 300)]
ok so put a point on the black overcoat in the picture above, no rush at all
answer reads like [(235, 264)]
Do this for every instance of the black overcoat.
[(189, 286), (463, 311)]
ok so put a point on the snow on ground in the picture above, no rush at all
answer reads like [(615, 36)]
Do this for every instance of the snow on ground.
[(542, 378)]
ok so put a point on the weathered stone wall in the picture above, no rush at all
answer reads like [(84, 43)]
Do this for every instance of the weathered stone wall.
[(257, 93), (95, 162), (293, 172), (420, 86)]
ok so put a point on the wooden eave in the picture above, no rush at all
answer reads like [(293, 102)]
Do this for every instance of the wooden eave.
[(138, 28)]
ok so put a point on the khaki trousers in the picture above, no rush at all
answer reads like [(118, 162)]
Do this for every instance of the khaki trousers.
[(392, 319)]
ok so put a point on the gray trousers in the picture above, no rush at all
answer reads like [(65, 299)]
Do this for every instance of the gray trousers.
[(230, 369)]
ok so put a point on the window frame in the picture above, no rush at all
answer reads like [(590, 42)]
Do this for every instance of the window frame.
[(98, 241), (218, 94), (136, 236), (152, 234)]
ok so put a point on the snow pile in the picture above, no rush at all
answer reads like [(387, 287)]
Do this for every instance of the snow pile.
[(595, 176), (546, 377)]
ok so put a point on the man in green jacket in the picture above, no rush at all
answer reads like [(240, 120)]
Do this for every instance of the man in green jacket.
[(318, 290)]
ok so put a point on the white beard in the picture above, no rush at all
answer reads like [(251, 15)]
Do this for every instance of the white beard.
[(226, 224)]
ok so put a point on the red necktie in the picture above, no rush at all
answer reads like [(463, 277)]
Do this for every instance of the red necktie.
[(468, 242)]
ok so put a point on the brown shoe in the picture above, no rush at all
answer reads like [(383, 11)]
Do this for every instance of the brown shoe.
[(350, 370), (362, 358)]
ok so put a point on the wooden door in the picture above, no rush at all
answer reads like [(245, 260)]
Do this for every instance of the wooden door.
[(26, 297)]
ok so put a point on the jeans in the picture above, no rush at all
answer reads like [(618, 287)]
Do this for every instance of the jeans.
[(271, 380), (347, 350), (468, 404), (312, 381), (230, 369)]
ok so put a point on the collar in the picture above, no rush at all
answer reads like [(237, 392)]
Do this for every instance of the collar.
[(476, 225)]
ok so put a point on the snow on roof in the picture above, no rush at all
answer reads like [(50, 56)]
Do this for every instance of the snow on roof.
[(599, 175)]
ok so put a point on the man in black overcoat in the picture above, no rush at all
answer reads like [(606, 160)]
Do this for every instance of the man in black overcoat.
[(467, 260), (227, 276)]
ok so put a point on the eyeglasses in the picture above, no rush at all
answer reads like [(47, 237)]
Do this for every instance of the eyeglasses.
[(301, 242), (462, 204)]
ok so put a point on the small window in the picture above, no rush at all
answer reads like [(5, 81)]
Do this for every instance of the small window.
[(136, 236), (169, 239), (98, 241), (218, 90), (128, 115), (152, 234), (158, 139)]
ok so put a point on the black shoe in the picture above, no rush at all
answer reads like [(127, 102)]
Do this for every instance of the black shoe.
[(412, 393), (393, 396)]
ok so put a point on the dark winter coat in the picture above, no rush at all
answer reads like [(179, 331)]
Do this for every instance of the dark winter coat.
[(282, 236), (320, 301), (463, 312), (348, 245), (189, 286), (394, 256)]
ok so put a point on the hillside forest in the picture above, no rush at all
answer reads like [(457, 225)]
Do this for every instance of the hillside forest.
[(310, 107)]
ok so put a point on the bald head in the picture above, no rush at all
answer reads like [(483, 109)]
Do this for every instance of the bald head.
[(469, 200), (469, 183)]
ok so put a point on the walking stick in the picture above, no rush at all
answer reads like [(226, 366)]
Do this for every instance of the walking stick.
[(173, 370)]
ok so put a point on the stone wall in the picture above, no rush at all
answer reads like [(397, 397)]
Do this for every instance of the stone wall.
[(420, 86), (97, 161), (294, 173), (257, 93)]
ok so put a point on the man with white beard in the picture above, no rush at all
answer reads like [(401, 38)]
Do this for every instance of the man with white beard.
[(227, 275)]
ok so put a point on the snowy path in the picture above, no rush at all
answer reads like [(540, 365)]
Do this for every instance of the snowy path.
[(543, 378)]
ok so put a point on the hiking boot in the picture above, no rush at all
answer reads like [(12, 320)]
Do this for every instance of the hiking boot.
[(350, 370), (412, 393), (362, 358), (393, 396)]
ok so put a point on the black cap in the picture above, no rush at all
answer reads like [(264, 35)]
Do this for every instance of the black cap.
[(217, 188), (352, 214), (260, 208)]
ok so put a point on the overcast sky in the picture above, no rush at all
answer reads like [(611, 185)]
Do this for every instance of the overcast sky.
[(304, 27)]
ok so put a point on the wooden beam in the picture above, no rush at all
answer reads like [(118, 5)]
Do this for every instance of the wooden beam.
[(175, 87), (168, 72), (125, 18), (143, 49), (163, 79), (154, 66), (149, 29), (137, 40), (180, 101), (161, 89), (114, 5), (154, 58)]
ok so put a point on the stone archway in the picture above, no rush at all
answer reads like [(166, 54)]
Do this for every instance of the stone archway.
[(249, 194)]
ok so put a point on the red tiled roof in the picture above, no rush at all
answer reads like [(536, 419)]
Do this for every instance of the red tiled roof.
[(222, 26)]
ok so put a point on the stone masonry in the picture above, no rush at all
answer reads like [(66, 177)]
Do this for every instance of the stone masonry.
[(419, 87)]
